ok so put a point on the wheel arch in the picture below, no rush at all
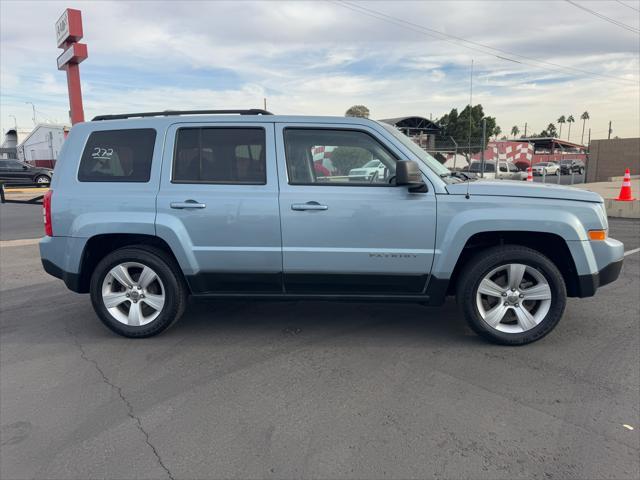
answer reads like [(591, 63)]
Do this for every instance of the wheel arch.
[(551, 245), (98, 246)]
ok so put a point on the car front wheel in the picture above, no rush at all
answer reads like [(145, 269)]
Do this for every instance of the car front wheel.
[(512, 295), (138, 291)]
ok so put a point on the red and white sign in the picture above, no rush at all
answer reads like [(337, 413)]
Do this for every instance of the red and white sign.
[(76, 53), (69, 27), (68, 32)]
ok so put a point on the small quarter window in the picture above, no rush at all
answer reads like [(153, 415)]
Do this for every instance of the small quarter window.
[(118, 156), (220, 155)]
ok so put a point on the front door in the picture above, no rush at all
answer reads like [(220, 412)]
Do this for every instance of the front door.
[(219, 199), (347, 229)]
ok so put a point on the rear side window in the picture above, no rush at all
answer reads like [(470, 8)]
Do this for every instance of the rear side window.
[(118, 156), (220, 155)]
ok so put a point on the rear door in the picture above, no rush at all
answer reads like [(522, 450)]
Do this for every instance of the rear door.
[(219, 199), (344, 232)]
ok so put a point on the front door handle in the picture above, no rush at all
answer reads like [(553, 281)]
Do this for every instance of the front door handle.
[(187, 204), (308, 206)]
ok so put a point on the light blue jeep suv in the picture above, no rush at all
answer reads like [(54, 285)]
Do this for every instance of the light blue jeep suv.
[(147, 209)]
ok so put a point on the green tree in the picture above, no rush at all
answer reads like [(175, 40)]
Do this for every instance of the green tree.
[(357, 111), (497, 131), (456, 125), (584, 117), (561, 120), (515, 131), (551, 131), (346, 158), (570, 120)]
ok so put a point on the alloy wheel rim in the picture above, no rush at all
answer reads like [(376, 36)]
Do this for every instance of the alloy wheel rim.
[(42, 180), (133, 294), (513, 298)]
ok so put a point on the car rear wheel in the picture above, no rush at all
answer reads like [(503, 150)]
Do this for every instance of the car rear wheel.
[(42, 180), (138, 291), (512, 295)]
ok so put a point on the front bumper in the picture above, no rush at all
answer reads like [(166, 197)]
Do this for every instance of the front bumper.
[(588, 284)]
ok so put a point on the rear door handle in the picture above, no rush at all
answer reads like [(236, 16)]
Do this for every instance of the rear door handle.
[(187, 204), (308, 206)]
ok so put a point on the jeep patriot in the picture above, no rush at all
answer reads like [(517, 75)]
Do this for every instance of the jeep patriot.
[(146, 209)]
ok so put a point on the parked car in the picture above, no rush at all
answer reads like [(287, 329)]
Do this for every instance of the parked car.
[(506, 170), (572, 166), (370, 170), (14, 172), (144, 212), (546, 168)]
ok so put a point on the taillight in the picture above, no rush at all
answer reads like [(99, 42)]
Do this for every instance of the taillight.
[(46, 213)]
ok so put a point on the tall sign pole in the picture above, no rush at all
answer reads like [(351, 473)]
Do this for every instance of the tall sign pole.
[(68, 33)]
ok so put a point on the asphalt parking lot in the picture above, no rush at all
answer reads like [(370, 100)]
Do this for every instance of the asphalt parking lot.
[(311, 389)]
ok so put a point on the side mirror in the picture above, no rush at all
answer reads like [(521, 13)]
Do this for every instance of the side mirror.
[(408, 173)]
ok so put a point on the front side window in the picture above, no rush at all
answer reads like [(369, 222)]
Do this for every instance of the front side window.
[(118, 156), (336, 157), (220, 155)]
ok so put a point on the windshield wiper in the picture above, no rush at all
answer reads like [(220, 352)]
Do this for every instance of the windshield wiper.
[(464, 176)]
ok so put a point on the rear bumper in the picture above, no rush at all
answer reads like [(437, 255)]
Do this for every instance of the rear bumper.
[(588, 284), (61, 257), (71, 280)]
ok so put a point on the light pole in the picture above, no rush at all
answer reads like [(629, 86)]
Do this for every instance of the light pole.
[(34, 112), (15, 122)]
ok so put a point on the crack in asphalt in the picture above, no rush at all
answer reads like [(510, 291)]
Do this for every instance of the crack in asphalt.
[(130, 413)]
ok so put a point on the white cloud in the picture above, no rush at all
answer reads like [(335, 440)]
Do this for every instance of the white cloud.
[(320, 58)]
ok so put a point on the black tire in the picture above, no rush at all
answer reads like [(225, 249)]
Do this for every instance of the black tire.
[(168, 272), (480, 265), (38, 181), (581, 171)]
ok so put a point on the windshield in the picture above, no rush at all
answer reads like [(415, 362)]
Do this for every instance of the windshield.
[(372, 163), (424, 157)]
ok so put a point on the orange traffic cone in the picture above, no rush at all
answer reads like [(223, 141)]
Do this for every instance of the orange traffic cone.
[(625, 191), (529, 174)]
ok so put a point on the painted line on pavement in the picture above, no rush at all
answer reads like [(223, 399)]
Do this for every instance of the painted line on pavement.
[(19, 243), (631, 252)]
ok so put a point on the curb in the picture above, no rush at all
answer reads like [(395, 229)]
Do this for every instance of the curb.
[(617, 209), (25, 190)]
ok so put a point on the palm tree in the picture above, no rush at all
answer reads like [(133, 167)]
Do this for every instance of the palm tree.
[(584, 117), (570, 120), (497, 131), (561, 120), (515, 131)]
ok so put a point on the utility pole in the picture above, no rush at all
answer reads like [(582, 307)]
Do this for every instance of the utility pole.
[(264, 101), (609, 137), (34, 112), (589, 141), (525, 129), (482, 148), (15, 122)]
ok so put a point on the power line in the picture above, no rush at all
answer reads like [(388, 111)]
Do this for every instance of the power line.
[(604, 17), (628, 6), (477, 47)]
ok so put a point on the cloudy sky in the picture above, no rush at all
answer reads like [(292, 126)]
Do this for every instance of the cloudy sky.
[(533, 60)]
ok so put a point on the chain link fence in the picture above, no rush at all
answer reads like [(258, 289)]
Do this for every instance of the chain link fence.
[(505, 159)]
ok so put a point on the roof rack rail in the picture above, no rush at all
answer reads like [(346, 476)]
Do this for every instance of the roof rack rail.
[(167, 113)]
